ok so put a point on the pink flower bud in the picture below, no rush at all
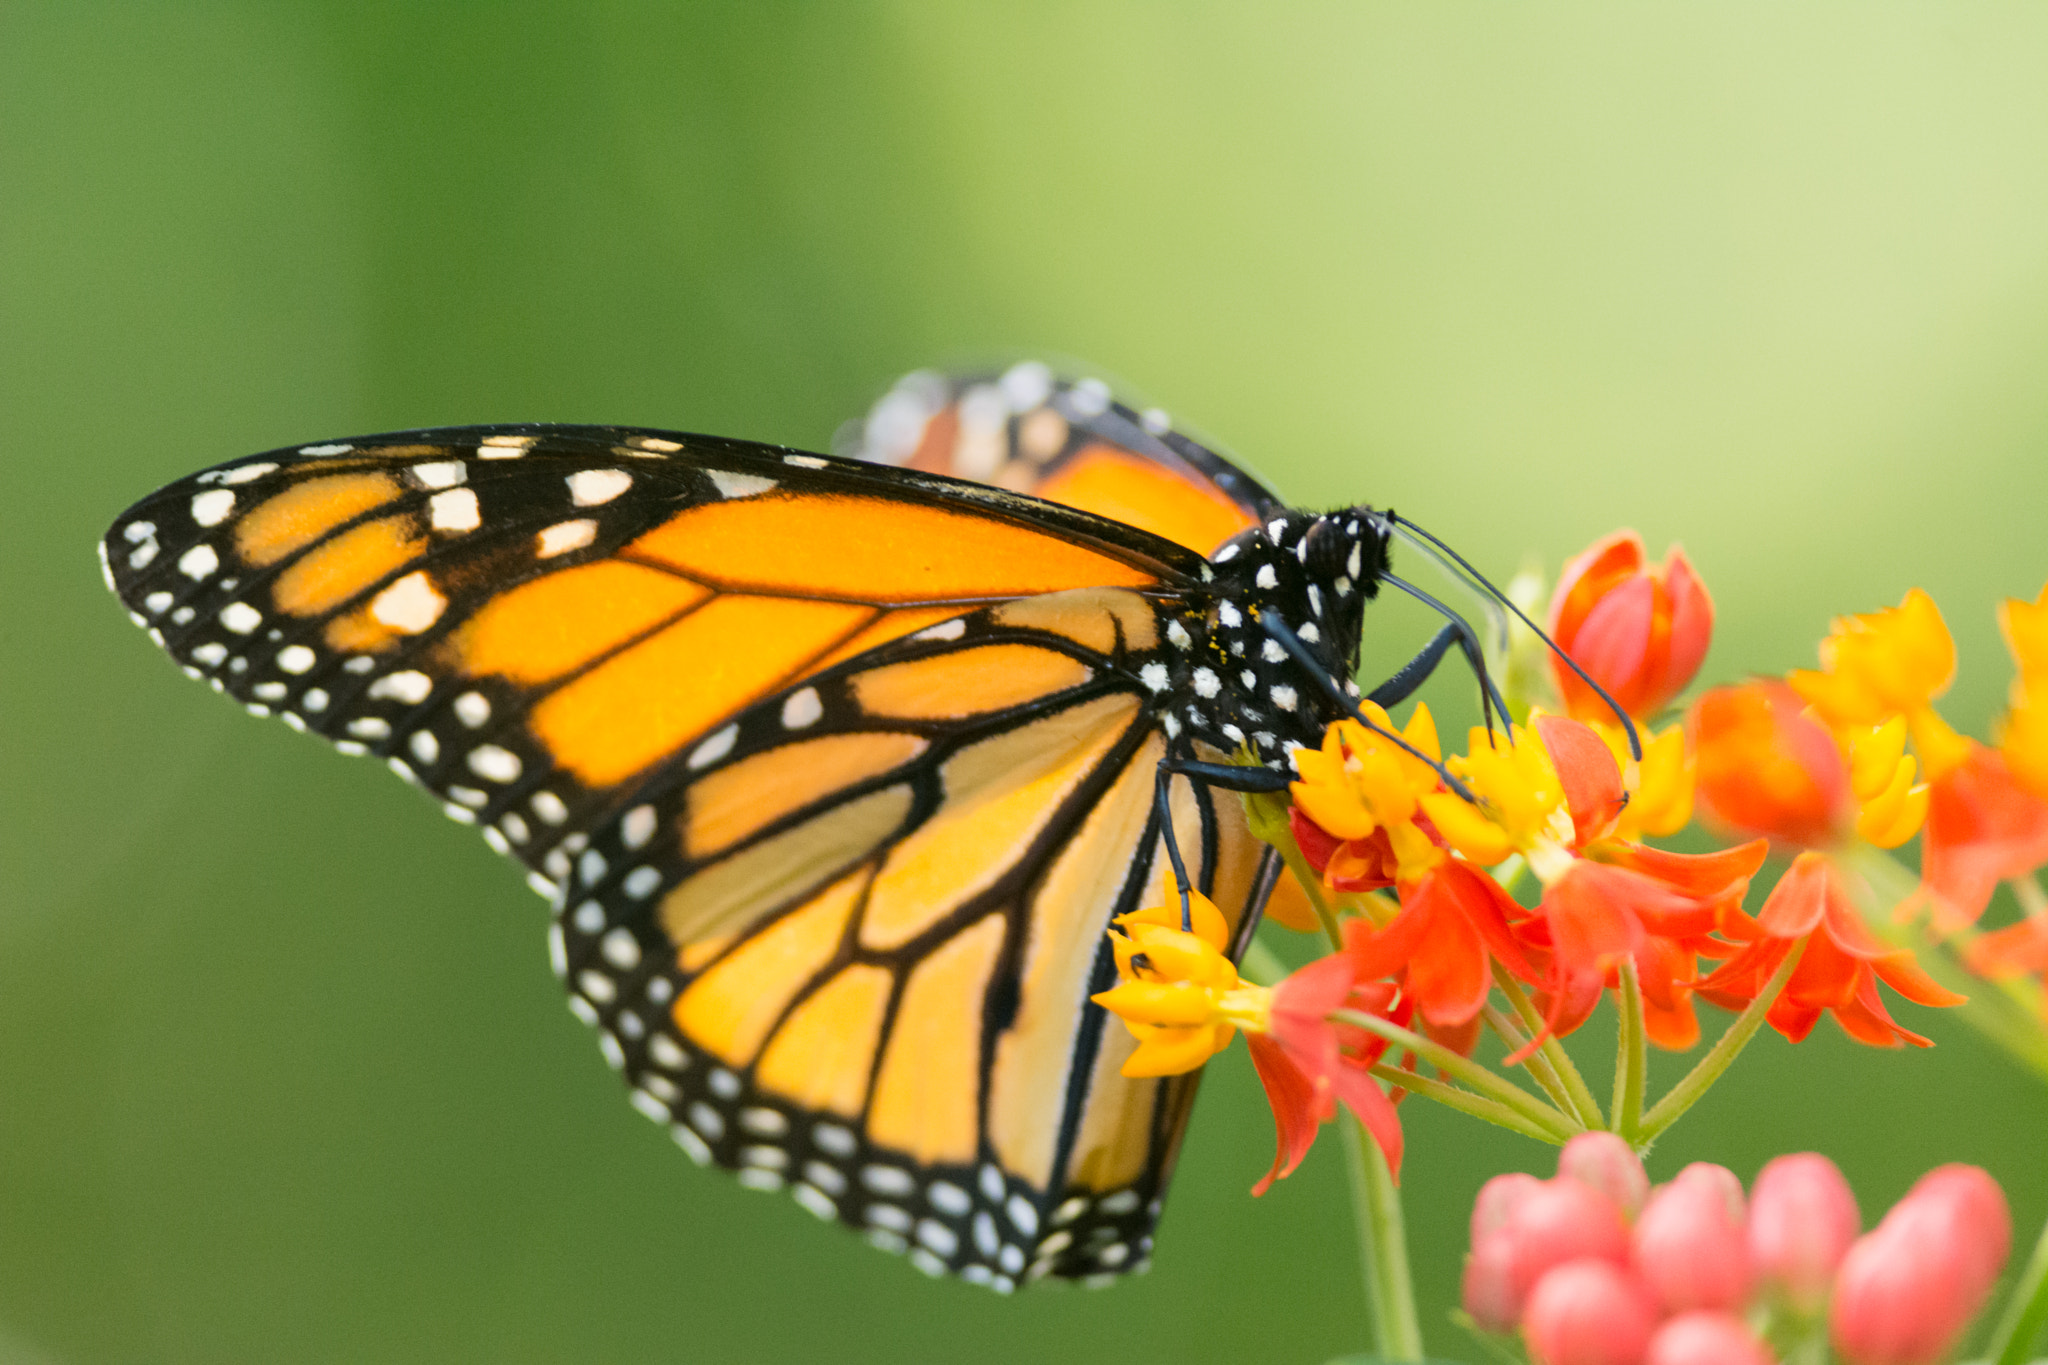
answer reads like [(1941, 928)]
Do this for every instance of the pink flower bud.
[(1906, 1291), (1561, 1221), (1688, 1250), (1605, 1162), (1983, 1223), (1497, 1200), (1706, 1339), (1725, 1184), (1489, 1293), (1589, 1313), (1802, 1218)]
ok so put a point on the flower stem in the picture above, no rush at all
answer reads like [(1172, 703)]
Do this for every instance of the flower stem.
[(1463, 1068), (1720, 1056), (1586, 1108), (2026, 1312), (1382, 1246), (1536, 1064), (1465, 1102), (1631, 1061)]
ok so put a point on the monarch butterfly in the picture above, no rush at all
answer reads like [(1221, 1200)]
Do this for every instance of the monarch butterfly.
[(834, 769)]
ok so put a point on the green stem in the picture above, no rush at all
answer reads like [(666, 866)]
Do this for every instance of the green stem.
[(1465, 1102), (1463, 1068), (2026, 1312), (1720, 1056), (1382, 1246), (1631, 1060), (1585, 1108), (1261, 965), (1537, 1065)]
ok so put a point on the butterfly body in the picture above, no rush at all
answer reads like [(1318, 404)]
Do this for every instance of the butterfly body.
[(833, 773)]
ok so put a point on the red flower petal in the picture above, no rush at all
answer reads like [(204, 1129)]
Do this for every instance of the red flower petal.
[(1293, 1100), (1588, 773)]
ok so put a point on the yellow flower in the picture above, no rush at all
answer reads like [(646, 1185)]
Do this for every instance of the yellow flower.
[(1522, 807), (1881, 664), (1176, 991), (1361, 782), (2022, 732), (1659, 786), (1891, 809)]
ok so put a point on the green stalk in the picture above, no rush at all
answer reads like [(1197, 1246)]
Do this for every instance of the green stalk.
[(2026, 1312), (1480, 1078), (1382, 1246), (1537, 1065), (1631, 1060), (1465, 1102), (1584, 1107), (1720, 1056)]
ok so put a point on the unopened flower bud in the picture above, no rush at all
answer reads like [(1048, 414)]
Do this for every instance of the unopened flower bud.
[(1497, 1200), (1706, 1339), (1605, 1162), (1908, 1289), (1589, 1312), (1488, 1291), (1802, 1219), (1563, 1221), (1688, 1249), (1725, 1184)]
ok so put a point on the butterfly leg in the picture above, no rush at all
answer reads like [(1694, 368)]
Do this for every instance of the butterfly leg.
[(1226, 776), (1456, 630)]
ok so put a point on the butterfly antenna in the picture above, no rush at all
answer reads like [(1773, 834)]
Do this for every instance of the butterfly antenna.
[(1437, 550), (1294, 645), (1490, 699)]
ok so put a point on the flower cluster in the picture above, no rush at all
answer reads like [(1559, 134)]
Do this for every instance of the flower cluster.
[(1594, 1267), (1511, 889)]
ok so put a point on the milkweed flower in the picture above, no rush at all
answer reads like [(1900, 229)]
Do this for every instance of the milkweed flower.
[(1767, 768), (1183, 1000), (1838, 972), (1802, 1220), (1639, 630)]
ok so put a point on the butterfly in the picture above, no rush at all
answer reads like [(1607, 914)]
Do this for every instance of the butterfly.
[(835, 770)]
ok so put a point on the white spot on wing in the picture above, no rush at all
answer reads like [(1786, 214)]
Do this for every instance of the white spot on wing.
[(494, 763), (472, 709), (246, 473), (565, 536), (944, 630), (1153, 676), (339, 448), (440, 473), (1267, 577), (802, 709), (714, 748), (296, 658), (455, 510), (637, 827), (734, 485), (595, 487), (212, 507), (409, 686), (804, 461), (412, 604), (240, 617), (199, 561)]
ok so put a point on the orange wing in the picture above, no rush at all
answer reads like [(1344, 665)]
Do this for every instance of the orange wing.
[(1065, 440), (528, 620)]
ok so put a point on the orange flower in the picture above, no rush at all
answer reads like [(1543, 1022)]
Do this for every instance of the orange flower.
[(1452, 922), (1839, 971), (1639, 630), (2016, 950), (1983, 827), (1308, 1064), (1767, 768)]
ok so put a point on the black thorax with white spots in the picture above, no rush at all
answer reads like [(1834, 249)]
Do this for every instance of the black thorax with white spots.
[(1233, 685)]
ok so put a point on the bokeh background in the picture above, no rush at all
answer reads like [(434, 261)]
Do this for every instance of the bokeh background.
[(283, 1074)]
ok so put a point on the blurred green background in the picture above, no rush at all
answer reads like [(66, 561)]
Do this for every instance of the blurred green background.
[(283, 1074)]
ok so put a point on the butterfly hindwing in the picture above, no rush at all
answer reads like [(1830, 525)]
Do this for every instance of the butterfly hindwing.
[(855, 963)]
